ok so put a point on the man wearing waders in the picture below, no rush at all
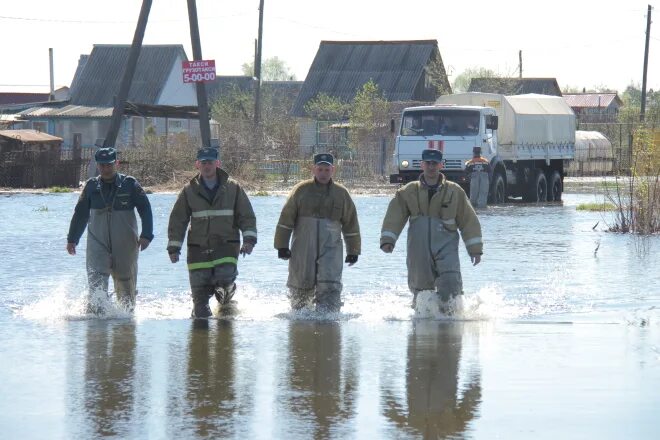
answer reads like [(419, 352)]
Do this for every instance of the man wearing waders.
[(107, 204), (317, 212), (478, 168), (218, 211), (437, 209)]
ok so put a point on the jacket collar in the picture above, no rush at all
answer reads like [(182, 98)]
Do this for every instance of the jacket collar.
[(196, 182), (422, 181), (119, 179)]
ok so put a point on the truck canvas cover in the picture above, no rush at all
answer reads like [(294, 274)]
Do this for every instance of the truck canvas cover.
[(524, 119)]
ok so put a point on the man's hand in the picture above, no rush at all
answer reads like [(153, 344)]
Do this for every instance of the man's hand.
[(387, 248), (476, 259), (71, 248), (174, 257), (246, 249), (284, 253), (351, 259), (144, 243)]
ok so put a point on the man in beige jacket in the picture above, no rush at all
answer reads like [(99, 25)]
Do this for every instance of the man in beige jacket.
[(317, 213), (436, 209), (218, 211)]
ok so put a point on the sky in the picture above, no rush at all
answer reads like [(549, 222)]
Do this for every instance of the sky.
[(582, 43)]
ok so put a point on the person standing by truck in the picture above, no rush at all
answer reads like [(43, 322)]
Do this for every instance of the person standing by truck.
[(436, 210), (478, 169)]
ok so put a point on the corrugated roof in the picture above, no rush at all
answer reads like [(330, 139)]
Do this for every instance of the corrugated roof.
[(22, 98), (29, 136), (341, 68), (594, 100), (101, 75), (69, 111), (515, 86)]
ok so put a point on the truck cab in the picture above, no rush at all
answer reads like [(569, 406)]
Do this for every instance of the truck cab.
[(455, 130)]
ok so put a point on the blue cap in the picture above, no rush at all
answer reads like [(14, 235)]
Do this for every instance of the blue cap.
[(432, 155), (325, 158), (105, 155), (207, 154)]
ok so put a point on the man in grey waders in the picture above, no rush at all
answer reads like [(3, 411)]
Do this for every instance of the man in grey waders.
[(218, 211), (436, 209), (106, 207), (317, 212), (478, 168)]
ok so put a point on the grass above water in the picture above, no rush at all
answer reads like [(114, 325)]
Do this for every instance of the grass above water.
[(596, 207)]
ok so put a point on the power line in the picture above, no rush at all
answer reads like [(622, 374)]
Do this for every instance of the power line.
[(53, 20)]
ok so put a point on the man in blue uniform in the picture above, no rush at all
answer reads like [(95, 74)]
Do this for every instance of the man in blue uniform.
[(107, 205)]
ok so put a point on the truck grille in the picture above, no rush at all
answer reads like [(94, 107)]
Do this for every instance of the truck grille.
[(453, 164)]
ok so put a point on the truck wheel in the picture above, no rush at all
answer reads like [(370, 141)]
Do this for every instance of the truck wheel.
[(537, 192), (554, 187), (498, 193)]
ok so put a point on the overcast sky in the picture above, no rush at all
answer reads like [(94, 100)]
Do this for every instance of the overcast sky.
[(583, 43)]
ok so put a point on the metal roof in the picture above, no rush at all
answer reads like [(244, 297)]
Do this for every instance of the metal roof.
[(69, 111), (22, 98), (515, 86), (594, 100), (101, 75), (341, 68), (29, 136)]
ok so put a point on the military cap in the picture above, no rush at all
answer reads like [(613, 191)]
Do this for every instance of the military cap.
[(105, 155), (207, 154), (432, 155), (325, 158)]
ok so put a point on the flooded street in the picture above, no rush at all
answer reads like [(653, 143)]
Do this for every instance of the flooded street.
[(560, 338)]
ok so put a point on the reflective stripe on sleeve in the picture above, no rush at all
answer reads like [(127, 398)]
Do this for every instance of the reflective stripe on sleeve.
[(352, 234), (475, 240), (280, 225), (249, 234), (389, 234), (174, 243), (450, 221), (213, 213)]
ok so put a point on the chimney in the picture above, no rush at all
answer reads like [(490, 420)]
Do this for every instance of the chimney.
[(51, 97)]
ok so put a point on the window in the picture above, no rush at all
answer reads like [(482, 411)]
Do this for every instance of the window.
[(331, 134), (440, 122), (40, 126)]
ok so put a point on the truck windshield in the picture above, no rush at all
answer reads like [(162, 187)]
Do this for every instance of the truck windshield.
[(440, 122)]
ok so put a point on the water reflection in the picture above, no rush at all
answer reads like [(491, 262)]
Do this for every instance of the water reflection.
[(435, 407), (321, 381), (109, 389), (211, 392)]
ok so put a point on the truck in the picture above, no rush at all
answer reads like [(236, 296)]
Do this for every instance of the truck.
[(528, 139)]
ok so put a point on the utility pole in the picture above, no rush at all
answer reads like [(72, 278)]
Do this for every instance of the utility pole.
[(520, 64), (257, 66), (51, 96), (120, 99), (202, 100), (646, 64)]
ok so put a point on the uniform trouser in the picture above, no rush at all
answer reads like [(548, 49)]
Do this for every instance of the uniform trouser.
[(218, 281), (112, 250), (432, 260), (123, 270), (315, 267), (479, 186)]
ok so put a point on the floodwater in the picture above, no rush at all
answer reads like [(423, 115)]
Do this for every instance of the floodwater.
[(559, 338)]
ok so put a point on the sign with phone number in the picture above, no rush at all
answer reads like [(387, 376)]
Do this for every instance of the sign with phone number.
[(198, 71)]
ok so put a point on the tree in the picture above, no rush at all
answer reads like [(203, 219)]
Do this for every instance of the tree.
[(462, 81), (632, 103), (326, 108), (438, 76), (369, 114), (272, 69)]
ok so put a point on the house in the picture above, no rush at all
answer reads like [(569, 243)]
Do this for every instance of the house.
[(401, 69), (515, 86), (157, 82), (594, 107)]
